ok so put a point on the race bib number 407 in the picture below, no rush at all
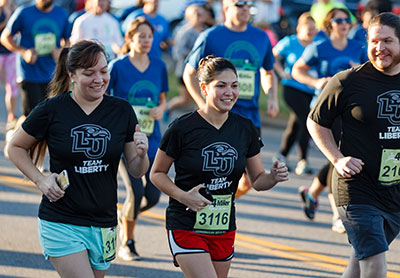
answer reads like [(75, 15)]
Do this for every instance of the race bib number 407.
[(389, 173), (146, 122)]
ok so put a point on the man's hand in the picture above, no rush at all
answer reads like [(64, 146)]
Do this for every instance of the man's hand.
[(30, 56), (349, 166)]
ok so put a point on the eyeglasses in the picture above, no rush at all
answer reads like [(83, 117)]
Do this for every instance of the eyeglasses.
[(341, 20), (241, 4)]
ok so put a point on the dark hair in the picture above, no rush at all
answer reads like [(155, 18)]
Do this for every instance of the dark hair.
[(82, 55), (388, 19), (132, 29), (210, 66), (326, 24)]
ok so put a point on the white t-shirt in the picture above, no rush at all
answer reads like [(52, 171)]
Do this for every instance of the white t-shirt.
[(103, 28)]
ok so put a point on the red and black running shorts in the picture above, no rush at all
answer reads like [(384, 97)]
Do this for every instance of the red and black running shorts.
[(220, 247)]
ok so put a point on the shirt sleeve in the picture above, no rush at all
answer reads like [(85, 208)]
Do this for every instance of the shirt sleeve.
[(255, 142), (198, 51), (113, 78), (281, 46), (14, 24), (164, 80), (310, 55), (171, 142), (329, 102), (269, 60), (132, 122), (38, 121)]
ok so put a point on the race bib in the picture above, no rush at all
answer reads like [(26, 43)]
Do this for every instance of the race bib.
[(146, 122), (246, 83), (389, 173), (45, 43), (215, 217), (109, 238)]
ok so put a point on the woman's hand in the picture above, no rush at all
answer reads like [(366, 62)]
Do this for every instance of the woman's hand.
[(49, 187), (140, 139), (194, 200), (157, 113), (279, 172)]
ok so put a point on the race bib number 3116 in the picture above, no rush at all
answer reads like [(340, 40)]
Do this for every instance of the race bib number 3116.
[(215, 217)]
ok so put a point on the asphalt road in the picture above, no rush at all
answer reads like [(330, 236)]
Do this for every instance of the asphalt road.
[(274, 239)]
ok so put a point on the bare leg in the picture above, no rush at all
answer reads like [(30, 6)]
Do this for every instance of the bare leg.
[(76, 265), (11, 106), (197, 265), (316, 188), (243, 187), (335, 211), (353, 268), (374, 266), (222, 268), (128, 228)]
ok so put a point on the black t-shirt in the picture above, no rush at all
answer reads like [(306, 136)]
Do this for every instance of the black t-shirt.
[(368, 103), (204, 154), (89, 147)]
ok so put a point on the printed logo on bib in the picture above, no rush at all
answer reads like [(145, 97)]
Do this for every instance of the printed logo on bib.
[(389, 106), (389, 173), (214, 217), (146, 122), (219, 158)]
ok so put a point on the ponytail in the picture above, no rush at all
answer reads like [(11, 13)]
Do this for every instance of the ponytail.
[(60, 82)]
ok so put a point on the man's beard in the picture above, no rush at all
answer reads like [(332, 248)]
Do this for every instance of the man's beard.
[(47, 5)]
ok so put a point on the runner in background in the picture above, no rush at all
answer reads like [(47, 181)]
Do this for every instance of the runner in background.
[(143, 81), (44, 28), (328, 57), (8, 70), (297, 96)]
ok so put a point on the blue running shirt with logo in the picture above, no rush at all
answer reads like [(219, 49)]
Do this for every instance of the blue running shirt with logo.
[(140, 89), (41, 31), (248, 51)]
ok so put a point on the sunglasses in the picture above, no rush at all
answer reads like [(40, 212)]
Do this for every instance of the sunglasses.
[(341, 20), (241, 4)]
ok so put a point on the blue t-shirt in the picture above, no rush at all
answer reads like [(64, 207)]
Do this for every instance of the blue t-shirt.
[(3, 50), (140, 89), (248, 51), (42, 31), (328, 60), (290, 49), (162, 31), (359, 33)]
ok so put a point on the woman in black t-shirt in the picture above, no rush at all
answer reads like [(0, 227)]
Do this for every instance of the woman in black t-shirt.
[(85, 131), (210, 148)]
